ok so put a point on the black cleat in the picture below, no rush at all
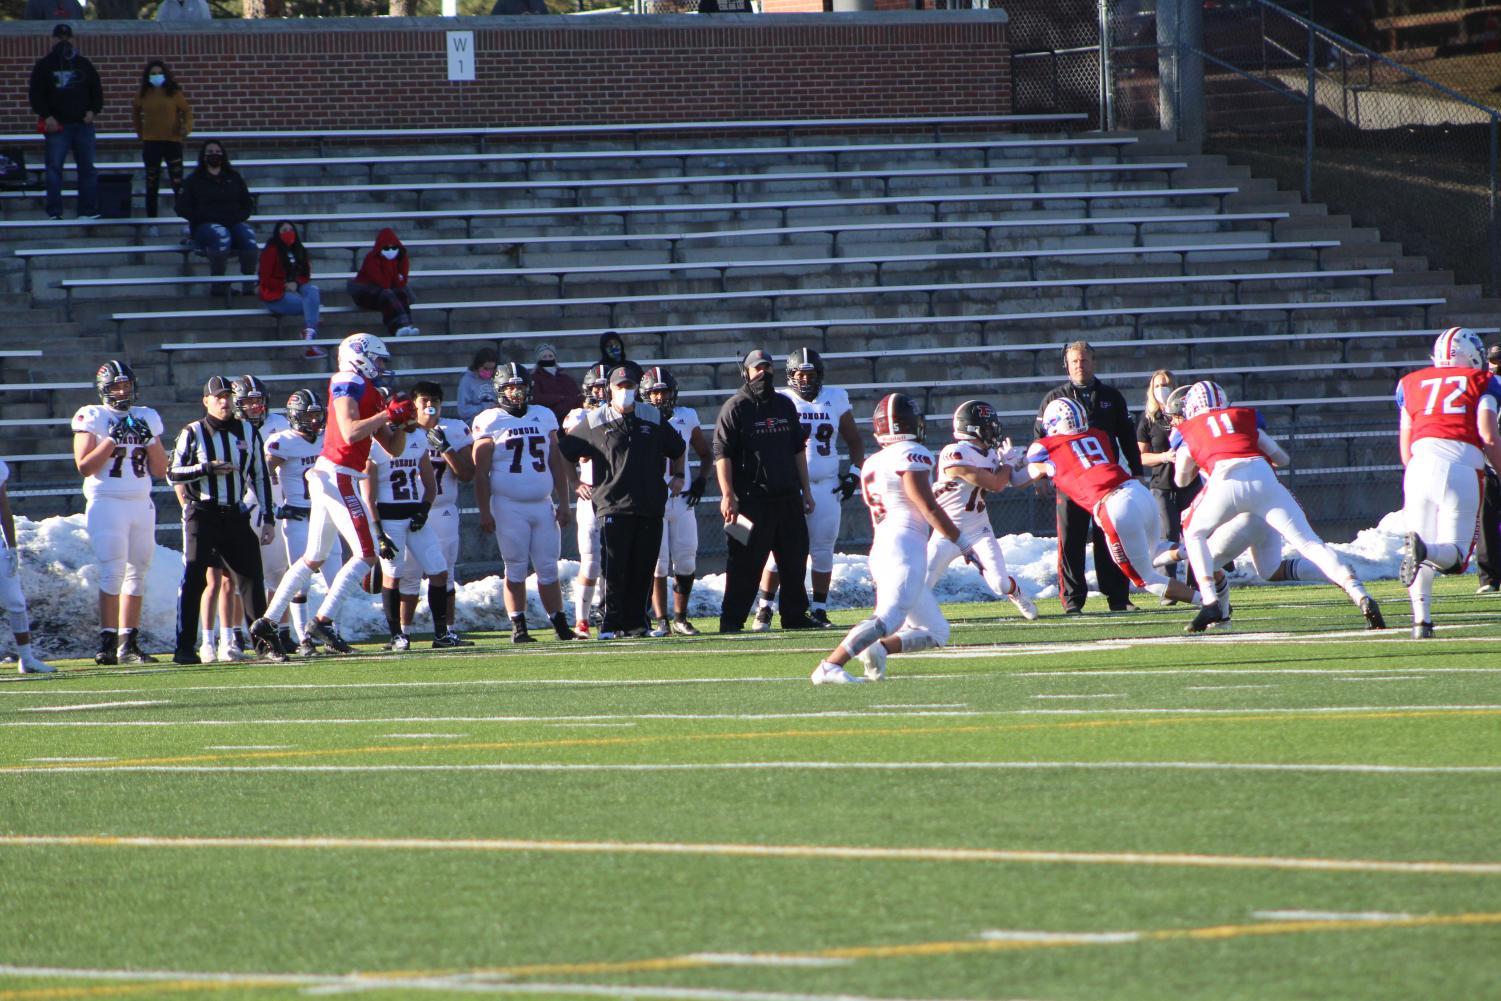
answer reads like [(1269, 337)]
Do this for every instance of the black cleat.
[(186, 657), (804, 621), (1422, 630), (307, 648), (520, 635), (1372, 613), (447, 641), (1414, 552), (271, 652), (1209, 615), (821, 616), (133, 654), (560, 626), (324, 631)]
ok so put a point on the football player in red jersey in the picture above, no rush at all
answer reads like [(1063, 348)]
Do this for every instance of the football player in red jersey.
[(1448, 432), (358, 411), (1086, 469), (1237, 456)]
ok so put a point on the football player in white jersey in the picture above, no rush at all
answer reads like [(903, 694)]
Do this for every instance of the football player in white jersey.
[(12, 599), (898, 485), (400, 488), (824, 412), (977, 462), (290, 455), (117, 447), (596, 390), (449, 449), (521, 489), (679, 553)]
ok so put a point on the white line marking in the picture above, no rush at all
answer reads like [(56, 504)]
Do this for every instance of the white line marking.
[(1098, 695), (425, 736), (1223, 688), (249, 747), (93, 705), (1328, 916), (873, 766), (589, 724), (65, 760), (1390, 677), (765, 959), (724, 850), (1108, 937)]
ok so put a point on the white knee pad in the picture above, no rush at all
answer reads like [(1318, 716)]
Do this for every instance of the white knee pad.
[(134, 583), (112, 575), (547, 574)]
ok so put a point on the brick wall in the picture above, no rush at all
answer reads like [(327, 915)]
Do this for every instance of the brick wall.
[(358, 73)]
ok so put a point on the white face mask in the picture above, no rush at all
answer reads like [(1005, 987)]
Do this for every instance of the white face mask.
[(1161, 393), (390, 254), (622, 398), (429, 411)]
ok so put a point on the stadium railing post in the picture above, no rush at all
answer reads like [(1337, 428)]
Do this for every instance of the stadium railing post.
[(1308, 121)]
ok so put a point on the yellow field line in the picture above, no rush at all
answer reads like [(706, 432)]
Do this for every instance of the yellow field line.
[(771, 851), (116, 990), (906, 731)]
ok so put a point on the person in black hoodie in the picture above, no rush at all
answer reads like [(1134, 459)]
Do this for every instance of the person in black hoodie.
[(66, 95), (612, 355), (217, 204)]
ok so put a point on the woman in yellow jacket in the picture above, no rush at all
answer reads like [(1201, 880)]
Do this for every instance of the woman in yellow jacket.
[(163, 119)]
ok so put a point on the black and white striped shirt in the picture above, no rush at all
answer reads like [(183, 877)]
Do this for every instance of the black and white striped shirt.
[(199, 445)]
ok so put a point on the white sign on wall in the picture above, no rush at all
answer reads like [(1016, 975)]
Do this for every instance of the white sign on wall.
[(460, 55)]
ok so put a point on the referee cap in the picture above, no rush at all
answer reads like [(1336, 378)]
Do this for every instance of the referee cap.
[(217, 384)]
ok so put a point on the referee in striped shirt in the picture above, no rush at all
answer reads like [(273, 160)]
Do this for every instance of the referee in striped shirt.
[(220, 467)]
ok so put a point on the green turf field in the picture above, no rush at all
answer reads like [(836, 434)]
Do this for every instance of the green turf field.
[(1068, 810)]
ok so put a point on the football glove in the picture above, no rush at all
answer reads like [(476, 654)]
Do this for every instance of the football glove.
[(694, 493), (848, 486), (400, 410), (386, 546), (438, 438), (140, 429), (420, 518), (117, 429), (1013, 456)]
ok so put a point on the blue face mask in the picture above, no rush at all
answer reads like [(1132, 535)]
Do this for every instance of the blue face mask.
[(67, 50), (157, 79)]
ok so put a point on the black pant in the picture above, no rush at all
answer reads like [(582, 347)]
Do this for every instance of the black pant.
[(780, 529), (153, 153), (1075, 528), (217, 537), (1488, 548), (629, 544), (1171, 503)]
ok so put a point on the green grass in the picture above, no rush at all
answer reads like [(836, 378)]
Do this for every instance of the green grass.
[(582, 877)]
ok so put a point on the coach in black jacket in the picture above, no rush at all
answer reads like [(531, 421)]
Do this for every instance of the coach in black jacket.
[(1107, 412), (763, 476)]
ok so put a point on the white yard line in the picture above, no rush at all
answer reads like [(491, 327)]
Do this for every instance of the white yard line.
[(1388, 677), (1098, 695), (1223, 688), (93, 705), (730, 850), (1328, 916), (1063, 937), (572, 725), (922, 705), (871, 766)]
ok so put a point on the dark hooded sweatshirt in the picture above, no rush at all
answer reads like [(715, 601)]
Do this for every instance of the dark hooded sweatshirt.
[(221, 200), (65, 87), (378, 272)]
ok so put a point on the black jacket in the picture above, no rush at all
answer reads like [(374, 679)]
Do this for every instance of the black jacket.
[(762, 439), (1107, 412), (629, 454), (65, 88), (223, 200)]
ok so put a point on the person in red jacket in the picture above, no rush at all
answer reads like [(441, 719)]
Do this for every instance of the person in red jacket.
[(382, 284), (551, 387), (286, 283)]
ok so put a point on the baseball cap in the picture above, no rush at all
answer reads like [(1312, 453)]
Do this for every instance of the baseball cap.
[(217, 384), (62, 31), (621, 376), (756, 357)]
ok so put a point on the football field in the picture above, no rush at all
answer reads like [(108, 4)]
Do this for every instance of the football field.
[(1068, 810)]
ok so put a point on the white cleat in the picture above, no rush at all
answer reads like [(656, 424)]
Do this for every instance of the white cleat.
[(874, 659), (829, 674), (230, 654), (206, 653), (32, 664), (1023, 603)]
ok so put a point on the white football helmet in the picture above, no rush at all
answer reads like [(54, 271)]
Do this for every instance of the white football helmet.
[(1458, 347), (366, 355), (1203, 397), (1064, 416)]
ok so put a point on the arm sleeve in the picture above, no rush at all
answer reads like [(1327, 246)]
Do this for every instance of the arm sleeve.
[(1125, 436), (1184, 468), (184, 203), (673, 444), (725, 444), (1037, 424), (247, 203), (1271, 449), (96, 91), (575, 445), (186, 114), (186, 465)]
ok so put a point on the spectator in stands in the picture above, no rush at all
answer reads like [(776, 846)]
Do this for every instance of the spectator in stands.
[(475, 391), (381, 284), (217, 205), (53, 10), (163, 118), (286, 283), (178, 11), (1152, 433), (612, 354), (553, 388), (1108, 412), (1488, 550), (66, 94)]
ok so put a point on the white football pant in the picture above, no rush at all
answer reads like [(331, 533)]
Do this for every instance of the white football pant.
[(904, 602), (527, 532), (588, 539), (1441, 506), (942, 553), (1128, 518), (418, 555), (679, 552), (122, 533)]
